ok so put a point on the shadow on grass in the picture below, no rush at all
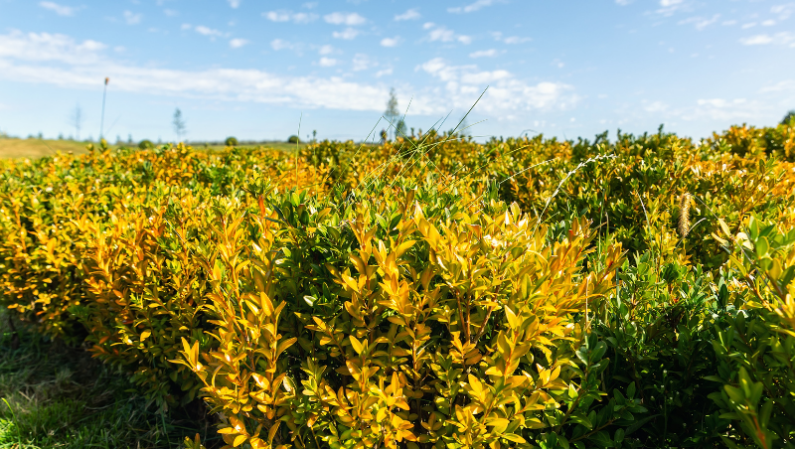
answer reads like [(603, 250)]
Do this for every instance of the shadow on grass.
[(55, 396)]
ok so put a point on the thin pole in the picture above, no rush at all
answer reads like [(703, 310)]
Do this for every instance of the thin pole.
[(102, 120)]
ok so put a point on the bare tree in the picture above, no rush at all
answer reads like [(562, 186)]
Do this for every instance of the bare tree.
[(179, 124), (76, 120)]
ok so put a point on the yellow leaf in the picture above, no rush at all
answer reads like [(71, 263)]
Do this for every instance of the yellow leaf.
[(145, 334), (357, 345), (240, 439)]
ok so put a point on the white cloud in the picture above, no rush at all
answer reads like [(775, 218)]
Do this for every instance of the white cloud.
[(234, 3), (327, 62), (281, 44), (699, 22), (484, 53), (783, 12), (786, 86), (362, 62), (783, 38), (670, 7), (62, 61), (390, 41), (289, 16), (411, 14), (132, 18), (512, 40), (624, 2), (342, 18), (347, 34), (58, 9), (768, 23), (185, 26), (170, 12), (310, 5), (443, 34), (471, 7), (326, 50), (729, 23), (384, 72), (506, 94), (206, 31), (50, 47), (237, 43)]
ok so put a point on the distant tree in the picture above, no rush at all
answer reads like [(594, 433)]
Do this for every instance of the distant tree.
[(145, 144), (60, 136), (463, 127), (391, 114), (314, 136), (179, 124), (230, 142), (76, 120), (383, 136), (129, 139), (400, 129), (293, 139), (790, 117)]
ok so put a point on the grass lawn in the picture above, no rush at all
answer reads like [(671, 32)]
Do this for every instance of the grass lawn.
[(54, 396), (32, 148)]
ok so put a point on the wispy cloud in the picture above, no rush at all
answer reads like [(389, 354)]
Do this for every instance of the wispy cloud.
[(511, 40), (170, 12), (131, 18), (411, 14), (506, 94), (443, 34), (699, 22), (363, 62), (281, 44), (234, 3), (347, 34), (61, 10), (490, 53), (326, 50), (472, 7), (289, 16), (783, 12), (390, 41), (63, 61), (207, 31), (783, 38), (237, 43), (50, 47), (670, 7), (624, 2), (344, 18), (327, 62)]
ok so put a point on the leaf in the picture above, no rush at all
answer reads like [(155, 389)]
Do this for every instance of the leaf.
[(240, 439), (357, 345), (145, 334), (513, 437)]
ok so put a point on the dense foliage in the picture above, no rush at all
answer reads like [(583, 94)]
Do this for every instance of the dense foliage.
[(432, 291)]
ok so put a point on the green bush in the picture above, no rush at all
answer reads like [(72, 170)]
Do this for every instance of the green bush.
[(146, 144), (434, 292), (230, 142), (293, 139)]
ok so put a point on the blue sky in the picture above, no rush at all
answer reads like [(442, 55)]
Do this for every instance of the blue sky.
[(253, 69)]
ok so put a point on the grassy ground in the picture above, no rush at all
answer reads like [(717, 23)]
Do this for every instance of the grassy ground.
[(33, 148), (54, 396)]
